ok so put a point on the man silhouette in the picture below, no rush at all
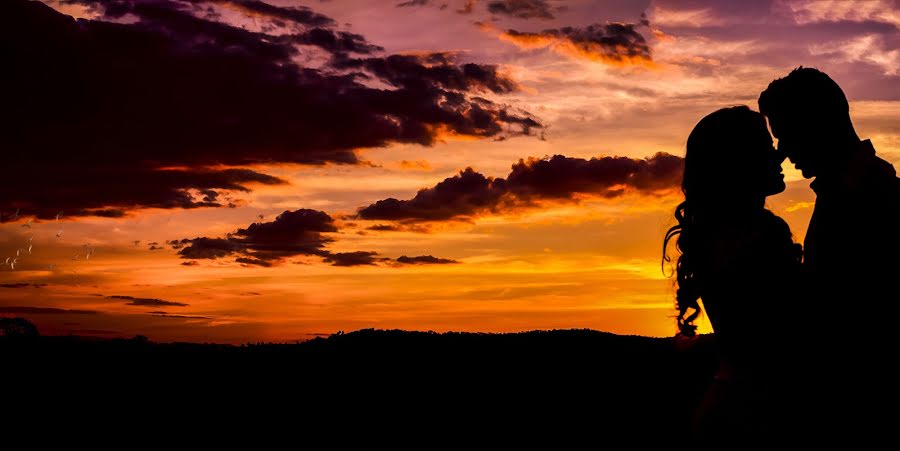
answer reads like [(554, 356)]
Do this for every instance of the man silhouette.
[(850, 255)]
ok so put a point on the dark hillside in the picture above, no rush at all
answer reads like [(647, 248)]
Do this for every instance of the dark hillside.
[(577, 382)]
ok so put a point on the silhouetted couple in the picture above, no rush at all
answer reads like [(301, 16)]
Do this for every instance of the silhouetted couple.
[(805, 335)]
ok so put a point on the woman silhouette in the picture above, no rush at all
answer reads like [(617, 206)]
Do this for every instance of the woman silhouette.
[(740, 260)]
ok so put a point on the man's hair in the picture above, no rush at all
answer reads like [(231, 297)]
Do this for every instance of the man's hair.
[(805, 91)]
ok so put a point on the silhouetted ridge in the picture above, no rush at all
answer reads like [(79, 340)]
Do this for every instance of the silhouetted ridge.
[(577, 382)]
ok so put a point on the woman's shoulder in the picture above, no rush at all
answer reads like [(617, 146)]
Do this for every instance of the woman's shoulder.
[(776, 232), (763, 235), (768, 217), (773, 226), (758, 225)]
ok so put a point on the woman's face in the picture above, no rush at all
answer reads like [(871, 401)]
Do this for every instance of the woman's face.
[(730, 157), (764, 164)]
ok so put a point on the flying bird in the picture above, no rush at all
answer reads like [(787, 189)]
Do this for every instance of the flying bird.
[(58, 215), (7, 261), (29, 249), (59, 234), (13, 264), (27, 225), (51, 267)]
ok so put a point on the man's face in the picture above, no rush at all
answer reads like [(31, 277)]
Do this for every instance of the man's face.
[(798, 143)]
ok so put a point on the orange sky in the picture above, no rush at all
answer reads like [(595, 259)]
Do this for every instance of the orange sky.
[(589, 263)]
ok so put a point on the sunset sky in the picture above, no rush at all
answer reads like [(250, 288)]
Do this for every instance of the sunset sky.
[(234, 171)]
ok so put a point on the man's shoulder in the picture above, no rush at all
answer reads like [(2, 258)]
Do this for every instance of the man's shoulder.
[(875, 175), (869, 186), (879, 188), (877, 167)]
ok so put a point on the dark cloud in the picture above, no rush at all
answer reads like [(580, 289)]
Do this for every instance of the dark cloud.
[(166, 315), (613, 43), (409, 3), (336, 42), (208, 248), (357, 258), (644, 20), (82, 191), (522, 9), (209, 195), (557, 178), (383, 228), (461, 195), (22, 285), (300, 15), (176, 244), (190, 263), (253, 261), (292, 233), (434, 71), (21, 310), (432, 97), (412, 3), (467, 7), (161, 108), (424, 259), (417, 228), (147, 301), (561, 177)]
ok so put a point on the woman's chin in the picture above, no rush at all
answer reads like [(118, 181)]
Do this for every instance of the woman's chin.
[(777, 186)]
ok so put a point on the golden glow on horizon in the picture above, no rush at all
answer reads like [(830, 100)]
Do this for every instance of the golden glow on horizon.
[(800, 206)]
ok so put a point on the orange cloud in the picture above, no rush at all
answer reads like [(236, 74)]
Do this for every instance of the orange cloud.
[(615, 44)]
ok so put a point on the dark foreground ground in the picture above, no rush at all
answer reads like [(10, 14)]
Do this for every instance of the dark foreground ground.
[(568, 384)]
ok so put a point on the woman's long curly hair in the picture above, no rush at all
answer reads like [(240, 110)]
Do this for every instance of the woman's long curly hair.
[(714, 145), (688, 293)]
